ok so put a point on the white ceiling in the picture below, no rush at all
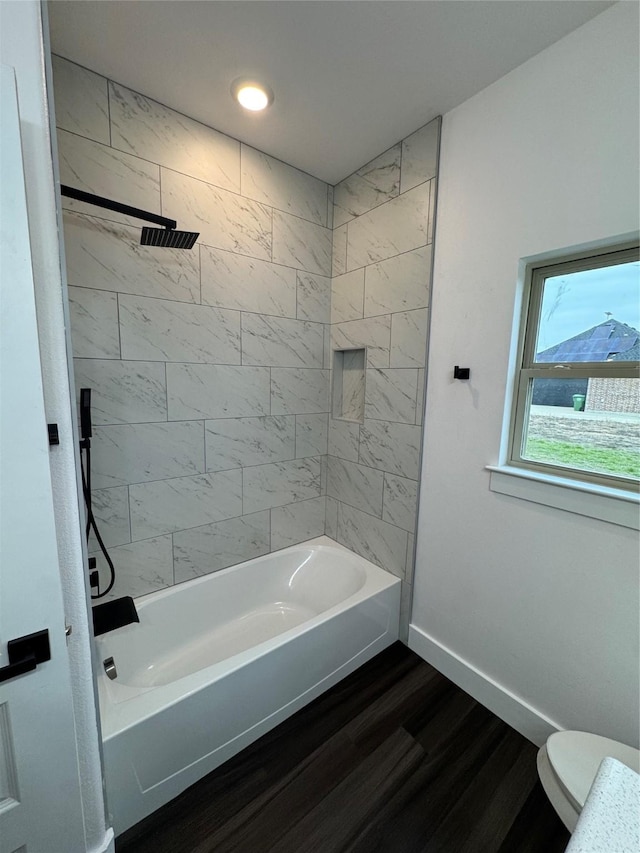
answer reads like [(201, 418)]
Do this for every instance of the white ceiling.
[(351, 77)]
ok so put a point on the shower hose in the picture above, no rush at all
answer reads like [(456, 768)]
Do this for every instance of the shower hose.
[(85, 446)]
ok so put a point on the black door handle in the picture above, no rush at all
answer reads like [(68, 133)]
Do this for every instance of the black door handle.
[(25, 653)]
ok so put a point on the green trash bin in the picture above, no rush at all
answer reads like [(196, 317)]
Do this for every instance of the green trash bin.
[(578, 402)]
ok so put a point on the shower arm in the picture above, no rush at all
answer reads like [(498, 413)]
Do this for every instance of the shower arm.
[(99, 201)]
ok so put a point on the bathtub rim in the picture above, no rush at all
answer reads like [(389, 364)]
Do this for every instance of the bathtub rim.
[(117, 716)]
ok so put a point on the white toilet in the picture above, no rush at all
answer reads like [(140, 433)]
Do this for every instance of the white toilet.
[(567, 766)]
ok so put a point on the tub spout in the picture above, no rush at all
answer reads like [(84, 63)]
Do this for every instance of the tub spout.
[(114, 614)]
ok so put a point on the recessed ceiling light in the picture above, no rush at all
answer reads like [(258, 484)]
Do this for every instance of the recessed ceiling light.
[(251, 94)]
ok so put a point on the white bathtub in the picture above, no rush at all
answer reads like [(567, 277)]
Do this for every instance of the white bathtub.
[(218, 661)]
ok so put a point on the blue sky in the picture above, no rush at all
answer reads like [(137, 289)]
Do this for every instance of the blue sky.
[(574, 303)]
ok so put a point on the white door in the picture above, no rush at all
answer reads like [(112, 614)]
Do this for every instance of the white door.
[(40, 803)]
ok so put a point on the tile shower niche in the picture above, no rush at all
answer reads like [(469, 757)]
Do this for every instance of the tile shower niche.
[(348, 384)]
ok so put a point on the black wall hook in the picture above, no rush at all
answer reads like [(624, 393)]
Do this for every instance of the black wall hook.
[(461, 372)]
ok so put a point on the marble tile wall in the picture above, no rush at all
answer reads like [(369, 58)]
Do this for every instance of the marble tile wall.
[(209, 368), (383, 220)]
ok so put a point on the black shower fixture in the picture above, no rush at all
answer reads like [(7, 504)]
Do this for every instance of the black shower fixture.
[(166, 237)]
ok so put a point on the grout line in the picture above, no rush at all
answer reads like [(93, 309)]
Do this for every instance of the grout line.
[(272, 237), (109, 114), (120, 358)]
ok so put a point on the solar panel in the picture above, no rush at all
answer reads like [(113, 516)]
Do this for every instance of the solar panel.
[(597, 344), (601, 332)]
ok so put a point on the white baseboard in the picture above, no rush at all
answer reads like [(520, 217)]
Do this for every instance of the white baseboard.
[(517, 713)]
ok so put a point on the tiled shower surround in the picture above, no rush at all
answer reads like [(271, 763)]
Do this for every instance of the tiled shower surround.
[(210, 372), (383, 218)]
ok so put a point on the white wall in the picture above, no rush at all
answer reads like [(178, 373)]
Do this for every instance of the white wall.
[(512, 597), (22, 48)]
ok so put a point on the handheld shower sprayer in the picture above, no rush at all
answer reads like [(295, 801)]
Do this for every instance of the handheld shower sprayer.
[(85, 414)]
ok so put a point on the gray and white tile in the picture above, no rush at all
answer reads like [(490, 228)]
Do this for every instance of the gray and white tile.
[(216, 391), (400, 501), (313, 297), (280, 483), (327, 346), (420, 156), (347, 296), (420, 397), (329, 206), (374, 333), (108, 256), (372, 538), (175, 331), (400, 283), (297, 522), (391, 394), (247, 284), (301, 244), (410, 566), (241, 442), (311, 435), (331, 518), (355, 485), (299, 391), (81, 100), (111, 510), (279, 342), (165, 506), (339, 251), (344, 439), (376, 182), (150, 130), (284, 187), (123, 392), (137, 453), (391, 447), (223, 219), (409, 338), (101, 170), (94, 323), (398, 226), (141, 567), (212, 547)]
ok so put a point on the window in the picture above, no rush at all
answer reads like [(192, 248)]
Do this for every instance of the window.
[(577, 398)]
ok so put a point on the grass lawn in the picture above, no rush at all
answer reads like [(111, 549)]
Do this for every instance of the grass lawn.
[(597, 459)]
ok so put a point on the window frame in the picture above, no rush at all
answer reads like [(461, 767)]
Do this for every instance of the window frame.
[(527, 369)]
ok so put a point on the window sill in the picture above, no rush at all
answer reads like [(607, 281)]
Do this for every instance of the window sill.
[(612, 505)]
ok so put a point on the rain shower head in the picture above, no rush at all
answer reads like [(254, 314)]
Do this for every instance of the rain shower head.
[(168, 238)]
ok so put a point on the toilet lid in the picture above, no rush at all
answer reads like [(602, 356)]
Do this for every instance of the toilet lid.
[(576, 757)]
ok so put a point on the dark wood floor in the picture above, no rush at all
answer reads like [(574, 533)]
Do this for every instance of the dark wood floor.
[(394, 759)]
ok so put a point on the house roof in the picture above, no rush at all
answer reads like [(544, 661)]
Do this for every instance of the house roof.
[(607, 341), (632, 354)]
